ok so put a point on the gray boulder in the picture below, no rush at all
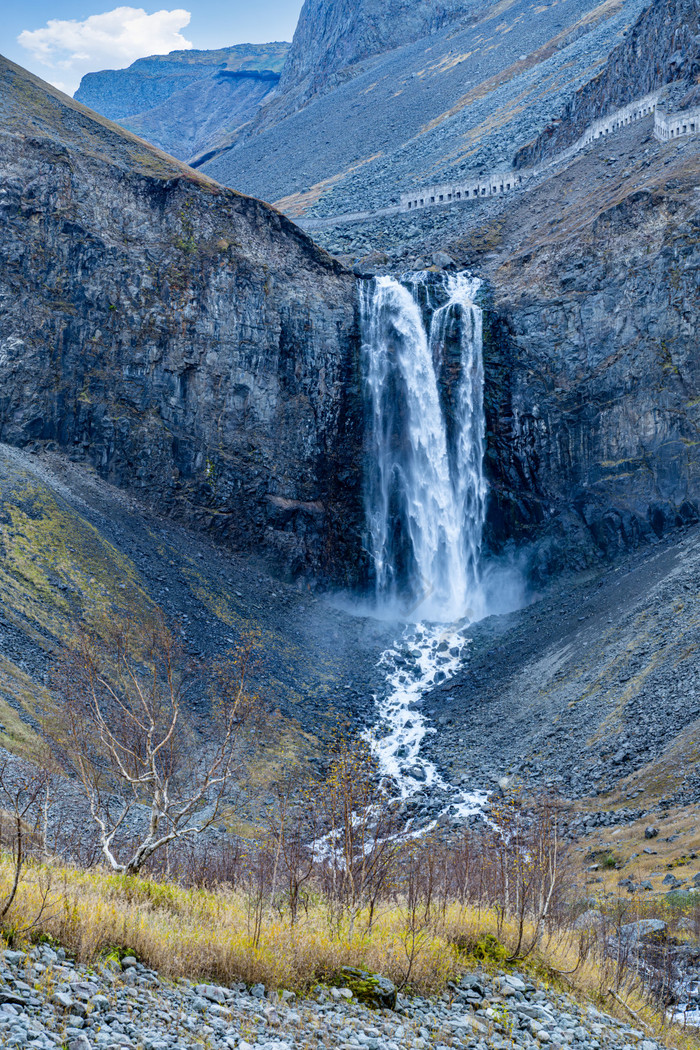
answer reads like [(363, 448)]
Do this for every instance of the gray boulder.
[(643, 930), (589, 920)]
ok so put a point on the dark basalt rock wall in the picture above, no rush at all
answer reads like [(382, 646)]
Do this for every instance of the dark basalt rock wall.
[(593, 385), (195, 346), (189, 342)]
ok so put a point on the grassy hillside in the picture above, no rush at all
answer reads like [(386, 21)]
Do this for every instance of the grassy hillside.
[(28, 105)]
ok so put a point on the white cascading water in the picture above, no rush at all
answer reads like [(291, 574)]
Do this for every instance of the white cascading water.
[(425, 500), (434, 500)]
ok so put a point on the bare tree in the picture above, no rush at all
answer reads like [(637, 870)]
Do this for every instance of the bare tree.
[(24, 791), (125, 728), (293, 828)]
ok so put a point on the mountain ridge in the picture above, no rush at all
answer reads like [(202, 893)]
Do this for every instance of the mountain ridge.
[(187, 100)]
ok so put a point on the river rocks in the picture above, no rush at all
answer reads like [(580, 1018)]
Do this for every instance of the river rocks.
[(643, 930), (444, 261), (160, 1014), (64, 1000)]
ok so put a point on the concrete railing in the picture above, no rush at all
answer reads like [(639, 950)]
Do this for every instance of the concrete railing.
[(628, 114), (669, 126), (493, 185), (499, 183)]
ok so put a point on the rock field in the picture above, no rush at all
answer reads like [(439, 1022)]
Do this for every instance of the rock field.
[(593, 689), (48, 1001)]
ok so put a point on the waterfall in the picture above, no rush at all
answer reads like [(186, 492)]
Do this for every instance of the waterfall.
[(425, 500), (425, 493)]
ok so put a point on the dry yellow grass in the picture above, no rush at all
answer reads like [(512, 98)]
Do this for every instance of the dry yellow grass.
[(676, 849), (211, 934), (297, 204)]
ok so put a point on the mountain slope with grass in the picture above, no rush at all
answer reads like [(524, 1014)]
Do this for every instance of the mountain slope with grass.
[(75, 548)]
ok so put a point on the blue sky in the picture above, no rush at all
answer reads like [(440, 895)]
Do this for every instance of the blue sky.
[(63, 39)]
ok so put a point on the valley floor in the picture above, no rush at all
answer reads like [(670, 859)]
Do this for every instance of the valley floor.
[(592, 691)]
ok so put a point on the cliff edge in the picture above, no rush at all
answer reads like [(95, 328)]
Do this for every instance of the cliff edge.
[(189, 342)]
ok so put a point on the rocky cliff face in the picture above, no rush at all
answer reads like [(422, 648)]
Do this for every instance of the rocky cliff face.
[(193, 343), (332, 36), (663, 47), (187, 341), (591, 360), (186, 101), (203, 117), (148, 82), (593, 372)]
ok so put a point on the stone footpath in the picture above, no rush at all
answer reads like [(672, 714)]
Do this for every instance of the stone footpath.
[(47, 1001)]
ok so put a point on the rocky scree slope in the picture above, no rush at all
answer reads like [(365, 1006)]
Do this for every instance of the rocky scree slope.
[(73, 546), (333, 36), (592, 691), (663, 47), (51, 1001), (185, 101), (186, 340), (458, 99)]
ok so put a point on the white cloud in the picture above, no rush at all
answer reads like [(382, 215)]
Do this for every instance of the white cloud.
[(108, 41)]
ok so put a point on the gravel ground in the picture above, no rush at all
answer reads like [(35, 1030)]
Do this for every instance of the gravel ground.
[(47, 1001), (588, 689)]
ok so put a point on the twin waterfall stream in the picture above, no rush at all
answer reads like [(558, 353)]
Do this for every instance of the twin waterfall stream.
[(425, 502)]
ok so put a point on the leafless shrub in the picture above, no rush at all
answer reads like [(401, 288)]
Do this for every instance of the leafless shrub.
[(24, 797), (357, 855)]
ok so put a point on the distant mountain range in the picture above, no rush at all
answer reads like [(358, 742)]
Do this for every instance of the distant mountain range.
[(186, 101)]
